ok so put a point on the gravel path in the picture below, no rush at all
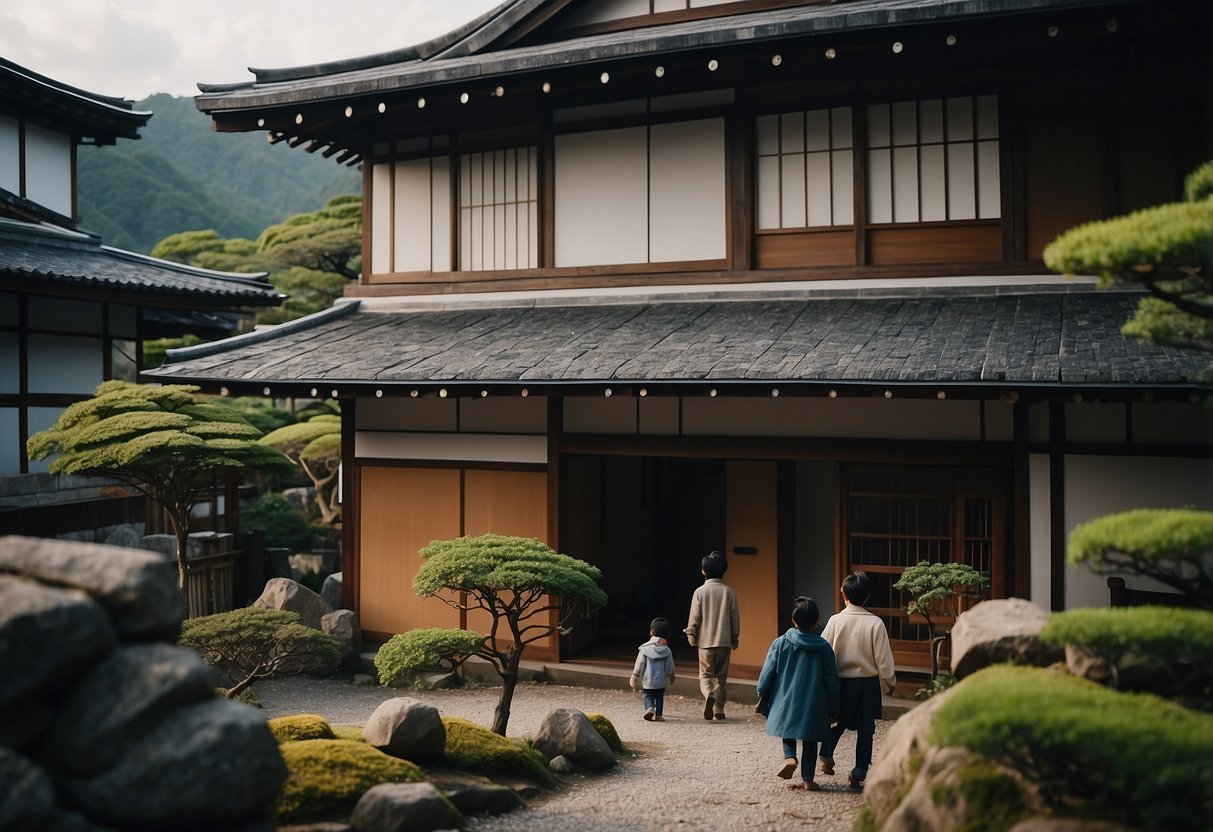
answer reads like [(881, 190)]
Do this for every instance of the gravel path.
[(685, 773)]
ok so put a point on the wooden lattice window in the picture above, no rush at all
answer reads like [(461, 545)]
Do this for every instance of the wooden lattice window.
[(893, 518)]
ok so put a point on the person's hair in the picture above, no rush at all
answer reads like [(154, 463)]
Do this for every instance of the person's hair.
[(660, 627), (857, 587), (714, 565), (805, 614)]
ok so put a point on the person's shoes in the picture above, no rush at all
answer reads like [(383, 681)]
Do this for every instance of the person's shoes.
[(853, 783), (807, 785), (708, 705), (827, 766), (720, 715), (659, 718), (789, 765), (650, 714)]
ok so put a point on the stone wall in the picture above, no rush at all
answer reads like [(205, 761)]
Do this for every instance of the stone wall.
[(104, 722)]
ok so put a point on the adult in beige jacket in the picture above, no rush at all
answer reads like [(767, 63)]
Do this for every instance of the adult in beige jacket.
[(714, 626)]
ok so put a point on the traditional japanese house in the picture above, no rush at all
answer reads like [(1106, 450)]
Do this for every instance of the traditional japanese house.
[(646, 278), (73, 311)]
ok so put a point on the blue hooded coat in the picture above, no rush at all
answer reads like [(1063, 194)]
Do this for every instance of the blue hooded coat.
[(800, 679)]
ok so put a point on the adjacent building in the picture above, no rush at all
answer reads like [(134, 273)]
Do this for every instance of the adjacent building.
[(647, 278)]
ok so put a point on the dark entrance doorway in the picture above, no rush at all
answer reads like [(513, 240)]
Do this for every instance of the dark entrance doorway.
[(646, 522)]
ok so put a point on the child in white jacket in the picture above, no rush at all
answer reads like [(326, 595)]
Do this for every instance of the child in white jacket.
[(654, 670)]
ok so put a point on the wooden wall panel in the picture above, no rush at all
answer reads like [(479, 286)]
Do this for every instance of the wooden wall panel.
[(403, 509), (1062, 168), (753, 522), (513, 503), (822, 248), (951, 244)]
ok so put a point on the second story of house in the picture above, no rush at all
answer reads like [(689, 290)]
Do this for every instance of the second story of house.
[(625, 143)]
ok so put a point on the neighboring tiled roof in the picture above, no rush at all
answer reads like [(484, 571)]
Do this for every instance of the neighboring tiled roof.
[(468, 52), (1045, 338), (68, 109), (34, 257)]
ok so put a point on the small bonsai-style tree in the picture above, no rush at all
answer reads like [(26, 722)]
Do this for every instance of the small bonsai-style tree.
[(528, 590), (157, 439), (937, 591), (256, 643), (1172, 546), (1167, 249), (314, 444)]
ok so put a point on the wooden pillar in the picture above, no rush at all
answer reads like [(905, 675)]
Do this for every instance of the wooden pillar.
[(1057, 505)]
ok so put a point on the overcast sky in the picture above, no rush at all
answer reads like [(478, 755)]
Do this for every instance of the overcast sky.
[(133, 48)]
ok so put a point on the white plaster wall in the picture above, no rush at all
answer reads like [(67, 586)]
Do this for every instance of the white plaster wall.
[(688, 191), (1039, 530), (411, 232), (10, 363), (48, 169), (10, 460), (459, 447), (1099, 485), (10, 155), (62, 364), (601, 205)]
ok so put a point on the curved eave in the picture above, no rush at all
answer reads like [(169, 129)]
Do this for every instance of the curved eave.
[(99, 116)]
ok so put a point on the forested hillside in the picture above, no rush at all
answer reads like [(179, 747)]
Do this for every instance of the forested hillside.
[(182, 176)]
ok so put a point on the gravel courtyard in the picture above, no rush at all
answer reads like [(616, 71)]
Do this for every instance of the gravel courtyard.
[(685, 773)]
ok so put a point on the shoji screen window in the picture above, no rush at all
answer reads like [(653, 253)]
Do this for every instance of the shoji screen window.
[(499, 210), (411, 216), (934, 160), (805, 171)]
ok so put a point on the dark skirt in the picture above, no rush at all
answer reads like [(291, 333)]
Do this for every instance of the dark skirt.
[(861, 703)]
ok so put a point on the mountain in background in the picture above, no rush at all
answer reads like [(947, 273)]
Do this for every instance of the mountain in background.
[(182, 176)]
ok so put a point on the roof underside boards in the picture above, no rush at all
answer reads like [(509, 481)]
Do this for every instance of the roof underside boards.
[(344, 79), (49, 260), (1052, 339), (69, 109)]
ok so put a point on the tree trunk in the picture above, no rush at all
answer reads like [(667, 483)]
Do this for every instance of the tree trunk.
[(509, 681), (181, 527)]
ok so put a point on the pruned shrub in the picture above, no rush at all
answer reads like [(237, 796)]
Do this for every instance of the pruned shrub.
[(607, 731), (280, 523), (473, 748), (326, 778), (301, 727), (427, 648), (1137, 759), (1165, 650), (256, 643)]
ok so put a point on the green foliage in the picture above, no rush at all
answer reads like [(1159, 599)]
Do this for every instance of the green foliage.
[(181, 174), (301, 727), (255, 643), (207, 250), (328, 240), (425, 649), (491, 564), (606, 730), (326, 777), (1168, 249), (279, 522), (306, 290), (470, 747), (261, 413), (1173, 546), (353, 733), (155, 349), (314, 444), (994, 798), (1133, 758), (938, 588), (935, 686)]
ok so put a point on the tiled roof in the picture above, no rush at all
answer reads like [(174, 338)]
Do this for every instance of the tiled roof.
[(34, 257), (1045, 338)]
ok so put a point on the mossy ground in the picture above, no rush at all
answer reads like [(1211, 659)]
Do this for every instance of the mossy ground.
[(326, 777), (607, 731), (470, 747), (301, 727)]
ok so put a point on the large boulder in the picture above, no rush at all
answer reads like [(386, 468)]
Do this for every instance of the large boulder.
[(132, 689), (1005, 630), (476, 795), (404, 807), (285, 594), (406, 728), (894, 767), (332, 589), (210, 762), (48, 636), (568, 732), (136, 588), (343, 626)]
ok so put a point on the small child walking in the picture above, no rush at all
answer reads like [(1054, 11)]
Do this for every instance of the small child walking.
[(865, 668), (800, 681), (654, 670)]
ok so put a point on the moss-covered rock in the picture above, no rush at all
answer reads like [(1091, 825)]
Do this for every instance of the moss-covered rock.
[(328, 776), (607, 731), (301, 727), (1093, 752), (469, 747)]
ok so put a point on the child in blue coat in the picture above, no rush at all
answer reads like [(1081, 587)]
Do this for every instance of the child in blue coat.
[(654, 669), (800, 681)]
